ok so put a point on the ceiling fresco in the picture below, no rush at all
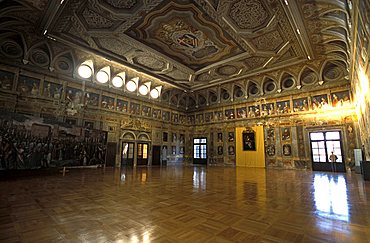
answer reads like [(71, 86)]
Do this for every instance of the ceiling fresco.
[(190, 46)]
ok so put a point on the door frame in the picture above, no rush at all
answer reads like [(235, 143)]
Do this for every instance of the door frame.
[(129, 162), (158, 149), (328, 166), (139, 161)]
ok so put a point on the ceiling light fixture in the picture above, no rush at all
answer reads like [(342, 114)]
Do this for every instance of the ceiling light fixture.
[(102, 77), (155, 93), (85, 70), (144, 88), (131, 85), (119, 80)]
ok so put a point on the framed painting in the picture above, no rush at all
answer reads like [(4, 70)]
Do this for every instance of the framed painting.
[(249, 140)]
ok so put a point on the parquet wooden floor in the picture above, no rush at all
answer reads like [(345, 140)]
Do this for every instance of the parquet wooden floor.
[(186, 204)]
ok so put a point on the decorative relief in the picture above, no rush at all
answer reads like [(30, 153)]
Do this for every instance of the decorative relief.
[(114, 45), (309, 77), (227, 70), (185, 37), (255, 62), (204, 77), (150, 62), (178, 74), (268, 42), (333, 72), (64, 64), (248, 14), (122, 4), (95, 20), (40, 57), (11, 49)]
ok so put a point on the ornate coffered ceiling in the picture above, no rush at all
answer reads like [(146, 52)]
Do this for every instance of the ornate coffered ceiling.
[(190, 45), (179, 41)]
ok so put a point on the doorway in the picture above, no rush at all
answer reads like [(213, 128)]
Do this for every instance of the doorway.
[(200, 151), (323, 144), (127, 156), (142, 154), (156, 155)]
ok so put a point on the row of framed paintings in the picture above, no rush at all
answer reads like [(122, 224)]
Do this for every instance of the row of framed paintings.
[(314, 103)]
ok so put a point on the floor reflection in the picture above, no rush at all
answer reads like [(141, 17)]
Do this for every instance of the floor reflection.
[(331, 196), (199, 178)]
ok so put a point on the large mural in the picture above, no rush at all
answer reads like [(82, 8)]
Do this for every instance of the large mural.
[(28, 142)]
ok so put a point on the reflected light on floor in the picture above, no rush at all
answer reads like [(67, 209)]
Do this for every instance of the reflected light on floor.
[(331, 197), (199, 178)]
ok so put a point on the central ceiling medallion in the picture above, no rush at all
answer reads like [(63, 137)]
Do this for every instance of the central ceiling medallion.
[(181, 35), (183, 32)]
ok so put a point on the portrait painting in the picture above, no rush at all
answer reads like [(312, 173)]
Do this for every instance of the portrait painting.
[(166, 116), (285, 133), (283, 107), (218, 116), (287, 150), (91, 99), (340, 99), (300, 105), (220, 150), (319, 101), (208, 117), (219, 137), (199, 119), (231, 150), (241, 112), (270, 150), (134, 108), (191, 119), (157, 114), (52, 90), (28, 85), (107, 102), (6, 80), (182, 119), (268, 109), (122, 105), (249, 140), (182, 150), (74, 96), (254, 111), (230, 114), (270, 134), (146, 111), (231, 137), (175, 118)]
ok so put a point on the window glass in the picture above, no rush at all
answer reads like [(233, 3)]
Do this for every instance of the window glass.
[(317, 136), (145, 151), (332, 135), (130, 151)]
